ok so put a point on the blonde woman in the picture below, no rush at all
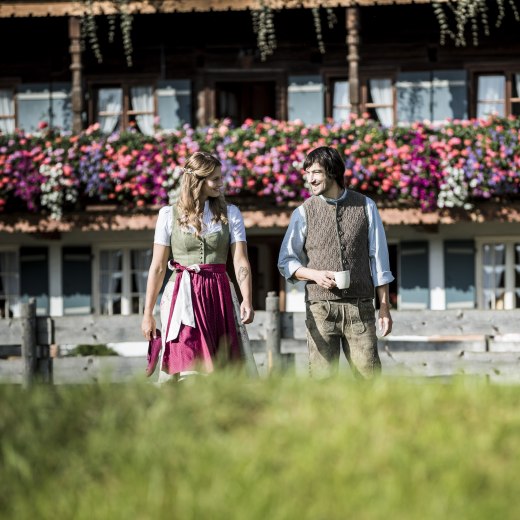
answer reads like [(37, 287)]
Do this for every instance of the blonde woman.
[(200, 315)]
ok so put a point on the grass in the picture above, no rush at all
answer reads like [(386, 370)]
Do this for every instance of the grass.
[(229, 448)]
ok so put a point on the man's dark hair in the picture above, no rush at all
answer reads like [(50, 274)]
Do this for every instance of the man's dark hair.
[(330, 160)]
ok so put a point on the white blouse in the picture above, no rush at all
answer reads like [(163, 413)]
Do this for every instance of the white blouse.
[(237, 231)]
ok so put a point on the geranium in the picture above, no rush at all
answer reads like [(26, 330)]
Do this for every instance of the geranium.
[(457, 164)]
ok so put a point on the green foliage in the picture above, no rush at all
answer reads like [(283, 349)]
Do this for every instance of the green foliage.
[(228, 448), (458, 17), (92, 350)]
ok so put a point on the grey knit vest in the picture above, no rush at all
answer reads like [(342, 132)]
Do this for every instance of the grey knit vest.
[(337, 239)]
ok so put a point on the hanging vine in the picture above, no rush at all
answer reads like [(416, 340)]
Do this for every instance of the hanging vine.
[(263, 27), (111, 27), (89, 29), (317, 29), (332, 20), (472, 15), (126, 30)]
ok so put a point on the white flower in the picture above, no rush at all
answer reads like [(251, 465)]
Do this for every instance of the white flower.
[(454, 190), (55, 189)]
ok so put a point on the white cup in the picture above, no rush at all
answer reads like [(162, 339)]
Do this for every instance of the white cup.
[(342, 279)]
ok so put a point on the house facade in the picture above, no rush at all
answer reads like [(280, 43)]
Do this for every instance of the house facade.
[(200, 61)]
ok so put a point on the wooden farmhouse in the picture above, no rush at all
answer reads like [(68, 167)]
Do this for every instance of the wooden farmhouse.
[(195, 61)]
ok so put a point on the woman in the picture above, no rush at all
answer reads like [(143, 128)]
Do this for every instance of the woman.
[(200, 315)]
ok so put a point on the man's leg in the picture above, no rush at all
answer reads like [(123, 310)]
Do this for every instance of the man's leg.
[(323, 337), (360, 339)]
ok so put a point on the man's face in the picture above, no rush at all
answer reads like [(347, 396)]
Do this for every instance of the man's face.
[(318, 179)]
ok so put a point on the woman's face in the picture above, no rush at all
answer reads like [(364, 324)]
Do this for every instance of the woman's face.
[(212, 185)]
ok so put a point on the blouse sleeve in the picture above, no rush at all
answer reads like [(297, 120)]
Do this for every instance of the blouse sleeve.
[(237, 230), (163, 227)]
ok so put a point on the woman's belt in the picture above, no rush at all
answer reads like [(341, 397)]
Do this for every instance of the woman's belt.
[(181, 311)]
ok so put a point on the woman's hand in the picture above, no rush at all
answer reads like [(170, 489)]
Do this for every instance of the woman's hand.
[(148, 326), (247, 314)]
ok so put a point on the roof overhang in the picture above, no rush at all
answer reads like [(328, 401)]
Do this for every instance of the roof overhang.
[(25, 9), (101, 219)]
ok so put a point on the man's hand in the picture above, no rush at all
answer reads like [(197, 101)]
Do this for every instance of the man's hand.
[(385, 320), (324, 279)]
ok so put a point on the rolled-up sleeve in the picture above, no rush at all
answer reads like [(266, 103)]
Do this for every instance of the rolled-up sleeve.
[(237, 230), (292, 256), (377, 246)]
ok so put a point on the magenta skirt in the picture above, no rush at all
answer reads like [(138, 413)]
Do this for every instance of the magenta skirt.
[(215, 333)]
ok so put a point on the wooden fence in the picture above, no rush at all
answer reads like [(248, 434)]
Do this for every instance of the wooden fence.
[(423, 343)]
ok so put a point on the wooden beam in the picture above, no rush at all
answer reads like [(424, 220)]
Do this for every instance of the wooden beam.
[(33, 8), (75, 67), (353, 58)]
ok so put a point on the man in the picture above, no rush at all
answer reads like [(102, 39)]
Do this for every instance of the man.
[(338, 230)]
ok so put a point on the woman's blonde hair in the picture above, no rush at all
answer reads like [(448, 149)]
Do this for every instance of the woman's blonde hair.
[(189, 209)]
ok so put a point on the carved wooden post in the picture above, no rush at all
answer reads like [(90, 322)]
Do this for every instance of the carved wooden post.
[(273, 332), (75, 67), (29, 342), (353, 58)]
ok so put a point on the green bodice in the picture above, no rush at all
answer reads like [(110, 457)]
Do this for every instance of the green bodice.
[(189, 249)]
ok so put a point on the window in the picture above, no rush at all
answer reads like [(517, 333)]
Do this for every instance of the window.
[(498, 93), (500, 274), (141, 259), (491, 92), (7, 111), (173, 104), (77, 280), (431, 95), (42, 102), (340, 101), (34, 277), (9, 284), (459, 274), (120, 106), (305, 99), (515, 94), (414, 280), (121, 277), (379, 100), (111, 281)]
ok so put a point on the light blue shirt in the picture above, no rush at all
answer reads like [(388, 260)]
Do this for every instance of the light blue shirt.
[(292, 255)]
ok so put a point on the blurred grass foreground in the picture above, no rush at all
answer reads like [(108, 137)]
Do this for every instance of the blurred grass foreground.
[(226, 447)]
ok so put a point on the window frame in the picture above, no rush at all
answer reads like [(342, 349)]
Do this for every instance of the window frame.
[(204, 88), (332, 75), (509, 242), (126, 269), (16, 297), (496, 69), (11, 84), (94, 84), (365, 77)]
